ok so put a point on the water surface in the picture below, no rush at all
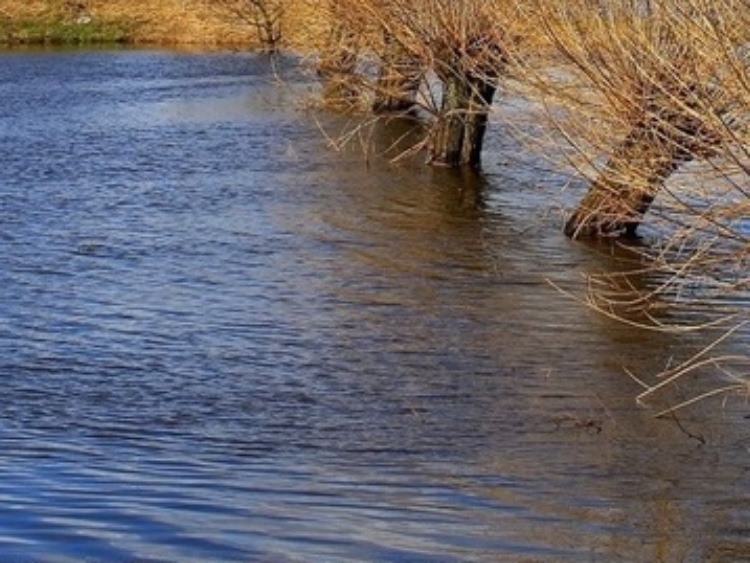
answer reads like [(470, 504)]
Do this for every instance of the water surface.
[(220, 339)]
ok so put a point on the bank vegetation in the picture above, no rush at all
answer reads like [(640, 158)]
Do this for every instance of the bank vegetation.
[(246, 24)]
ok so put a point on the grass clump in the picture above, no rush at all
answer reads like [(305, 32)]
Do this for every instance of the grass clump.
[(57, 31)]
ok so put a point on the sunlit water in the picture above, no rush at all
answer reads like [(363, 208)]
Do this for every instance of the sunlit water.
[(222, 340)]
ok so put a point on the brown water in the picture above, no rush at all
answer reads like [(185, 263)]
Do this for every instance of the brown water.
[(221, 340)]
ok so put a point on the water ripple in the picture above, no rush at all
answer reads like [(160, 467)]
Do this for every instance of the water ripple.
[(221, 341)]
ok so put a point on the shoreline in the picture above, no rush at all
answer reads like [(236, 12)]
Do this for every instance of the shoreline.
[(29, 23)]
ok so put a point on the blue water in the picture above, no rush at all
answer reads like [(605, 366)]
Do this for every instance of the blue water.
[(220, 339)]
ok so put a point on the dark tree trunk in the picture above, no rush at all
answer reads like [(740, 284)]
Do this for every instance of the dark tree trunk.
[(458, 133), (619, 198), (398, 79)]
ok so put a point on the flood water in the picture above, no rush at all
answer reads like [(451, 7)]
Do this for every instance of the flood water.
[(220, 339)]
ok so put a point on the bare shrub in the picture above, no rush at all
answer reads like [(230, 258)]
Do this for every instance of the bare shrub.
[(653, 98), (264, 16), (441, 57)]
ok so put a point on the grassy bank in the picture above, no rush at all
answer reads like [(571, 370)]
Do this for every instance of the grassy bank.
[(55, 31), (165, 22)]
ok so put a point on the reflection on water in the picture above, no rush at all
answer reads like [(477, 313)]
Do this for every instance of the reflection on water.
[(222, 340)]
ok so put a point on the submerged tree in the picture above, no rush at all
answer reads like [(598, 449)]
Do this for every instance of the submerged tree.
[(469, 52), (443, 56), (465, 48), (653, 83), (654, 101)]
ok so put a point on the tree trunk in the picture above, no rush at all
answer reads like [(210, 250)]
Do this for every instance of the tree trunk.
[(458, 134), (619, 198), (398, 79)]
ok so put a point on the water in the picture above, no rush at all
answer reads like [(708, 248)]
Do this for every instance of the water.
[(222, 340)]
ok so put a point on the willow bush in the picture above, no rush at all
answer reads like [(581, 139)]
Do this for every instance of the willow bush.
[(649, 102), (439, 57), (652, 100)]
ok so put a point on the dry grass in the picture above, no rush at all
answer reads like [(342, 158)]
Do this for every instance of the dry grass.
[(203, 22)]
